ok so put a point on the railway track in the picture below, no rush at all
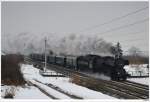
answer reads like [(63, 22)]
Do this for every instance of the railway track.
[(60, 90), (42, 90), (137, 84), (51, 86), (125, 90)]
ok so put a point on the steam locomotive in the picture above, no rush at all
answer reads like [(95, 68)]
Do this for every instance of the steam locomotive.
[(109, 66)]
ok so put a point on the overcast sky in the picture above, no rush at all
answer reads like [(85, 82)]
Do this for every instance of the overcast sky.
[(79, 18)]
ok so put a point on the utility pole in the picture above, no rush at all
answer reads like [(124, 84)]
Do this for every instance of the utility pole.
[(45, 56)]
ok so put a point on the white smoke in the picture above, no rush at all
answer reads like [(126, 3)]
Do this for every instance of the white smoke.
[(98, 76), (26, 43)]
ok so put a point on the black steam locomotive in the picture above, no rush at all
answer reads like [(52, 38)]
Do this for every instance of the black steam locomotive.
[(106, 65)]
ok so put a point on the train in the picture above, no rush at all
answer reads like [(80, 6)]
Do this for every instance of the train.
[(107, 65)]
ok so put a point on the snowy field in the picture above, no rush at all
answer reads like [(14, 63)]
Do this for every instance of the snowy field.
[(31, 92), (26, 92), (140, 80), (137, 70)]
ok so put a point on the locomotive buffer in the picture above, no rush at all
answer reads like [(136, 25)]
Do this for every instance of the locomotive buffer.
[(48, 73)]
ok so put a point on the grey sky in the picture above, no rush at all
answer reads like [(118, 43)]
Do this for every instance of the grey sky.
[(73, 17)]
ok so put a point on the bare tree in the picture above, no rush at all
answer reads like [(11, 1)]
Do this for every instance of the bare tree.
[(135, 56), (134, 51)]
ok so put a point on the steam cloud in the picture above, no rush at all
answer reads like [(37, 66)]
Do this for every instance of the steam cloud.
[(26, 43)]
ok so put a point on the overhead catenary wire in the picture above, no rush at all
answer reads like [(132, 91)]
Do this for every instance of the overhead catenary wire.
[(120, 27), (138, 51), (114, 19), (139, 44), (124, 26), (129, 33), (132, 39)]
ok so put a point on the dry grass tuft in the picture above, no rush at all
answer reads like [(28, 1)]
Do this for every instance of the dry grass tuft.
[(75, 79), (10, 93)]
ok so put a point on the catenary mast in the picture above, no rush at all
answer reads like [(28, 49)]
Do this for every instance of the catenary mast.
[(45, 56)]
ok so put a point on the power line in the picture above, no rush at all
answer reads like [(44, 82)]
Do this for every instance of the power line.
[(133, 39), (131, 33), (128, 45), (115, 19), (124, 26), (137, 51)]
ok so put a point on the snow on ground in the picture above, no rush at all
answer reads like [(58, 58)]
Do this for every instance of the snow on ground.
[(80, 91), (137, 70), (27, 92), (5, 89), (31, 73), (30, 93), (140, 80), (51, 91)]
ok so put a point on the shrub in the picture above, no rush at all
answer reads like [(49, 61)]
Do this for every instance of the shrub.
[(10, 92), (75, 79), (9, 95), (137, 59), (10, 70)]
